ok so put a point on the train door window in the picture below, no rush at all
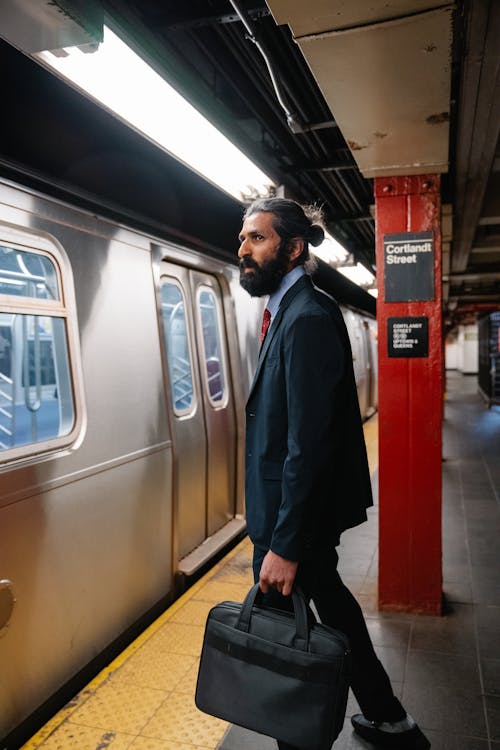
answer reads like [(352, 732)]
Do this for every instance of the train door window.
[(37, 404), (177, 345), (215, 379), (26, 274)]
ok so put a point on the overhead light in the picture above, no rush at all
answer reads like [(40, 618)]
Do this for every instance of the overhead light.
[(331, 251), (358, 274), (119, 79)]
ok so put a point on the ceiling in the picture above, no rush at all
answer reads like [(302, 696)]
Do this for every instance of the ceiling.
[(361, 89)]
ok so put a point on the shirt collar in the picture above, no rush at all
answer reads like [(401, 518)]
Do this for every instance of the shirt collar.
[(286, 283)]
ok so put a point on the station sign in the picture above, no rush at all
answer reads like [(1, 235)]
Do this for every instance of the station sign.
[(408, 337), (409, 267)]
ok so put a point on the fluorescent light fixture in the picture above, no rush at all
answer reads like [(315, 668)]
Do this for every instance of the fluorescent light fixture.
[(358, 274), (120, 80), (334, 253), (330, 250)]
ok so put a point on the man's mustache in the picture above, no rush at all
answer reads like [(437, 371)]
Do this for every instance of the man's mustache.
[(248, 262)]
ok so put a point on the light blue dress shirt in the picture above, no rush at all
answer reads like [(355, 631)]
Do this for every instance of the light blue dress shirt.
[(286, 283)]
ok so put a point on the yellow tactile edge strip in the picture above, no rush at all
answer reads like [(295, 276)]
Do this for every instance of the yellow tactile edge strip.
[(64, 713)]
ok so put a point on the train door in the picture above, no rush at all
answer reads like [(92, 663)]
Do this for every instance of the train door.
[(359, 358), (202, 412), (188, 424), (217, 400), (371, 335)]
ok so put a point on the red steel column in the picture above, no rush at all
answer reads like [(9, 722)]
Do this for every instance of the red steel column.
[(410, 413)]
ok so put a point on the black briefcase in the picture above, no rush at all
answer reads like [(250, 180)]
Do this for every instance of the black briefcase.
[(277, 673)]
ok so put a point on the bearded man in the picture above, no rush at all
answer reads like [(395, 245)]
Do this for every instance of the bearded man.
[(307, 477)]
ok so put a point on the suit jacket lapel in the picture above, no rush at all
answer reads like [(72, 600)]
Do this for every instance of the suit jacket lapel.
[(285, 302)]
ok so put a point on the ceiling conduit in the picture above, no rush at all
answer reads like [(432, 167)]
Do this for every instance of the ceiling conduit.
[(294, 122)]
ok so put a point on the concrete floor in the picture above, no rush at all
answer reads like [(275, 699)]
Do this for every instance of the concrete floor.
[(445, 669)]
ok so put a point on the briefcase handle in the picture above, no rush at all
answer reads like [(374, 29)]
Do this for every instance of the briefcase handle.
[(255, 595)]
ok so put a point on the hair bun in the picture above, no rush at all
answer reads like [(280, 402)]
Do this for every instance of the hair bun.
[(317, 235)]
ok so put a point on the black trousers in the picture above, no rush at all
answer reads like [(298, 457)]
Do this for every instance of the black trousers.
[(336, 607)]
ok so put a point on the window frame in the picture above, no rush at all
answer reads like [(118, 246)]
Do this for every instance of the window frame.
[(14, 299), (189, 411), (25, 240), (222, 403)]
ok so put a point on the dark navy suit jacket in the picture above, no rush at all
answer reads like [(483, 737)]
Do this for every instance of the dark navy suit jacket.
[(307, 476)]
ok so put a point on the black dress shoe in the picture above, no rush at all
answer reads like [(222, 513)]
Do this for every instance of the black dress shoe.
[(406, 739)]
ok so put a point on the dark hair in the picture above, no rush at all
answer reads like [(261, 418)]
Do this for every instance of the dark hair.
[(292, 220)]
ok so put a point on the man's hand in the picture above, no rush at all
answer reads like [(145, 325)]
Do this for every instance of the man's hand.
[(277, 573)]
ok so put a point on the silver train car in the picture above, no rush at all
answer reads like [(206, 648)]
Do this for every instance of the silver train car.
[(124, 367)]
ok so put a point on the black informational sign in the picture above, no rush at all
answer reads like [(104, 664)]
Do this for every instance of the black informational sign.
[(409, 267), (408, 337)]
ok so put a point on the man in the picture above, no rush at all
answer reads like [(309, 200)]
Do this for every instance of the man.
[(307, 477)]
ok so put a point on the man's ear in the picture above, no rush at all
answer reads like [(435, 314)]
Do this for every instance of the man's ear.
[(296, 247)]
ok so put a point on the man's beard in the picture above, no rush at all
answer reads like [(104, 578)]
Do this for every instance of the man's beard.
[(264, 279)]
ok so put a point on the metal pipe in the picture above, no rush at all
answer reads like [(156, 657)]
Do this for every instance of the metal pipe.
[(331, 190), (292, 118), (32, 405), (337, 192)]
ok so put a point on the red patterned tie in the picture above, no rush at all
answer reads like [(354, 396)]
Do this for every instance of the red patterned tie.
[(266, 321)]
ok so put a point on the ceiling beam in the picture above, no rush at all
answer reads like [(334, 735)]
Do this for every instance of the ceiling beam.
[(478, 276), (479, 123), (489, 221), (472, 297), (332, 166), (485, 250), (184, 19)]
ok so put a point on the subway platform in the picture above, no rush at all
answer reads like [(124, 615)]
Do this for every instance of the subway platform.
[(445, 669)]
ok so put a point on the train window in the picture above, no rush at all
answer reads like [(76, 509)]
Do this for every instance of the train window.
[(212, 349), (36, 402), (37, 406), (24, 274), (177, 345)]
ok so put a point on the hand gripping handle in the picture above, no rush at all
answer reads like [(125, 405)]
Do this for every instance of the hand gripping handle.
[(302, 623)]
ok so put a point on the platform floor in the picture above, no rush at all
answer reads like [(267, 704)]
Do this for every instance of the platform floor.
[(445, 669)]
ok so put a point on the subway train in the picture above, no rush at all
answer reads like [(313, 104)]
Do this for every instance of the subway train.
[(125, 361)]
